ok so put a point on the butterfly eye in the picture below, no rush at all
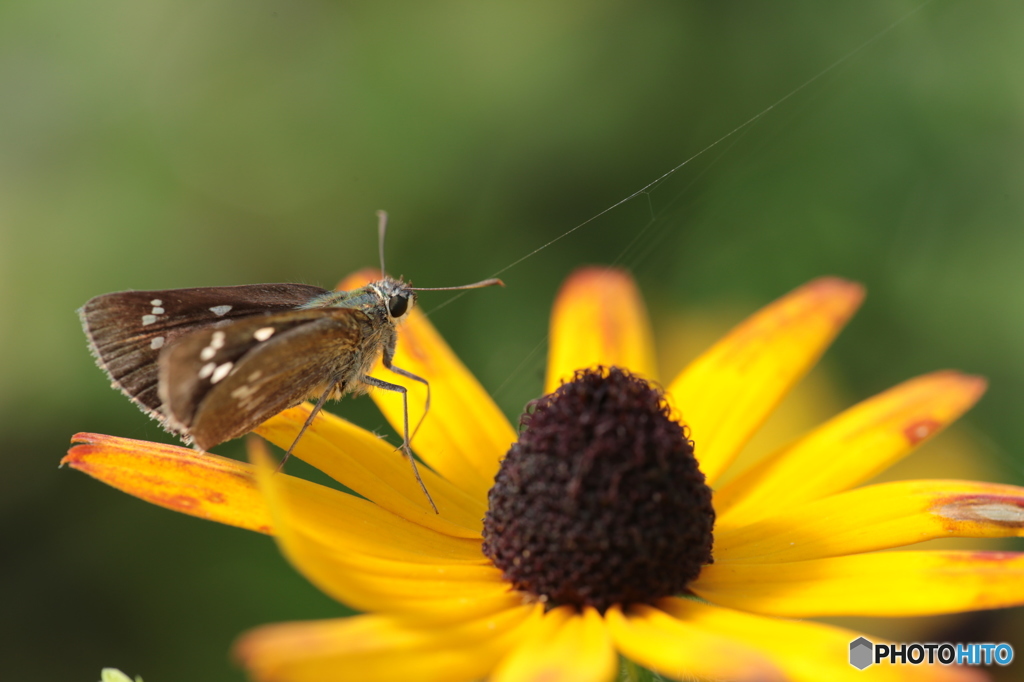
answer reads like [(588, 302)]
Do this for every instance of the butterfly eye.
[(398, 305)]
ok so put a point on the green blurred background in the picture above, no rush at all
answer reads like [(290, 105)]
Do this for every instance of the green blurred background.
[(169, 144)]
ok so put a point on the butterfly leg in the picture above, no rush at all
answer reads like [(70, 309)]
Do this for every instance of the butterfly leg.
[(377, 383), (387, 358), (334, 383)]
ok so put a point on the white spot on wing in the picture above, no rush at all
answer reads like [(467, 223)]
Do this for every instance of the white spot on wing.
[(243, 392), (148, 319), (207, 370), (216, 342), (156, 302), (157, 343), (221, 371), (157, 310), (263, 333), (220, 310)]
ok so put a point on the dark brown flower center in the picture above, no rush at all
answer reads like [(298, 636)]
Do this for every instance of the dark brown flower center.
[(600, 501)]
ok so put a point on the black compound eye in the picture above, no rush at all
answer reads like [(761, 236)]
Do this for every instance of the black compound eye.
[(398, 305)]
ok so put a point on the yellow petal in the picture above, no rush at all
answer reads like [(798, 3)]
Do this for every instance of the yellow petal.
[(438, 589), (877, 517), (677, 648), (373, 468), (539, 632), (599, 318), (465, 435), (370, 648), (565, 646), (850, 448), (180, 479), (727, 392), (820, 655), (881, 584), (362, 527)]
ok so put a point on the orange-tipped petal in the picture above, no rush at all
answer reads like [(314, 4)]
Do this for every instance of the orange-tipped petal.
[(373, 468), (726, 393), (564, 647), (599, 318), (880, 584), (877, 517), (821, 651), (675, 647), (180, 479), (443, 588), (465, 435), (370, 648), (850, 448)]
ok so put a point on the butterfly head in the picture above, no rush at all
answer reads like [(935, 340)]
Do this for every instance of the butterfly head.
[(397, 296)]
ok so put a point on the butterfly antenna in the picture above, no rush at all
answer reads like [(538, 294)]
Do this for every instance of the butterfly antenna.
[(382, 227), (494, 281)]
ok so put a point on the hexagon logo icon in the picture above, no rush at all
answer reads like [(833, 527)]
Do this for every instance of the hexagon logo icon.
[(861, 653)]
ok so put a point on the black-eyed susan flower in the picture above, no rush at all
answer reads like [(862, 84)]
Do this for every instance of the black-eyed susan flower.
[(595, 533)]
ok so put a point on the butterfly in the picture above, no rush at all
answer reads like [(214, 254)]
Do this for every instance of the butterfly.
[(212, 363)]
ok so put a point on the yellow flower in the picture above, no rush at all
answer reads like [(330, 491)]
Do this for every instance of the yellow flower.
[(794, 536)]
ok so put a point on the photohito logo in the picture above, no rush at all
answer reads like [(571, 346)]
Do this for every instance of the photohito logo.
[(863, 652)]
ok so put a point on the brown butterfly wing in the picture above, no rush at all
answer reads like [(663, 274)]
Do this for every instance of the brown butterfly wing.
[(220, 383), (127, 330)]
